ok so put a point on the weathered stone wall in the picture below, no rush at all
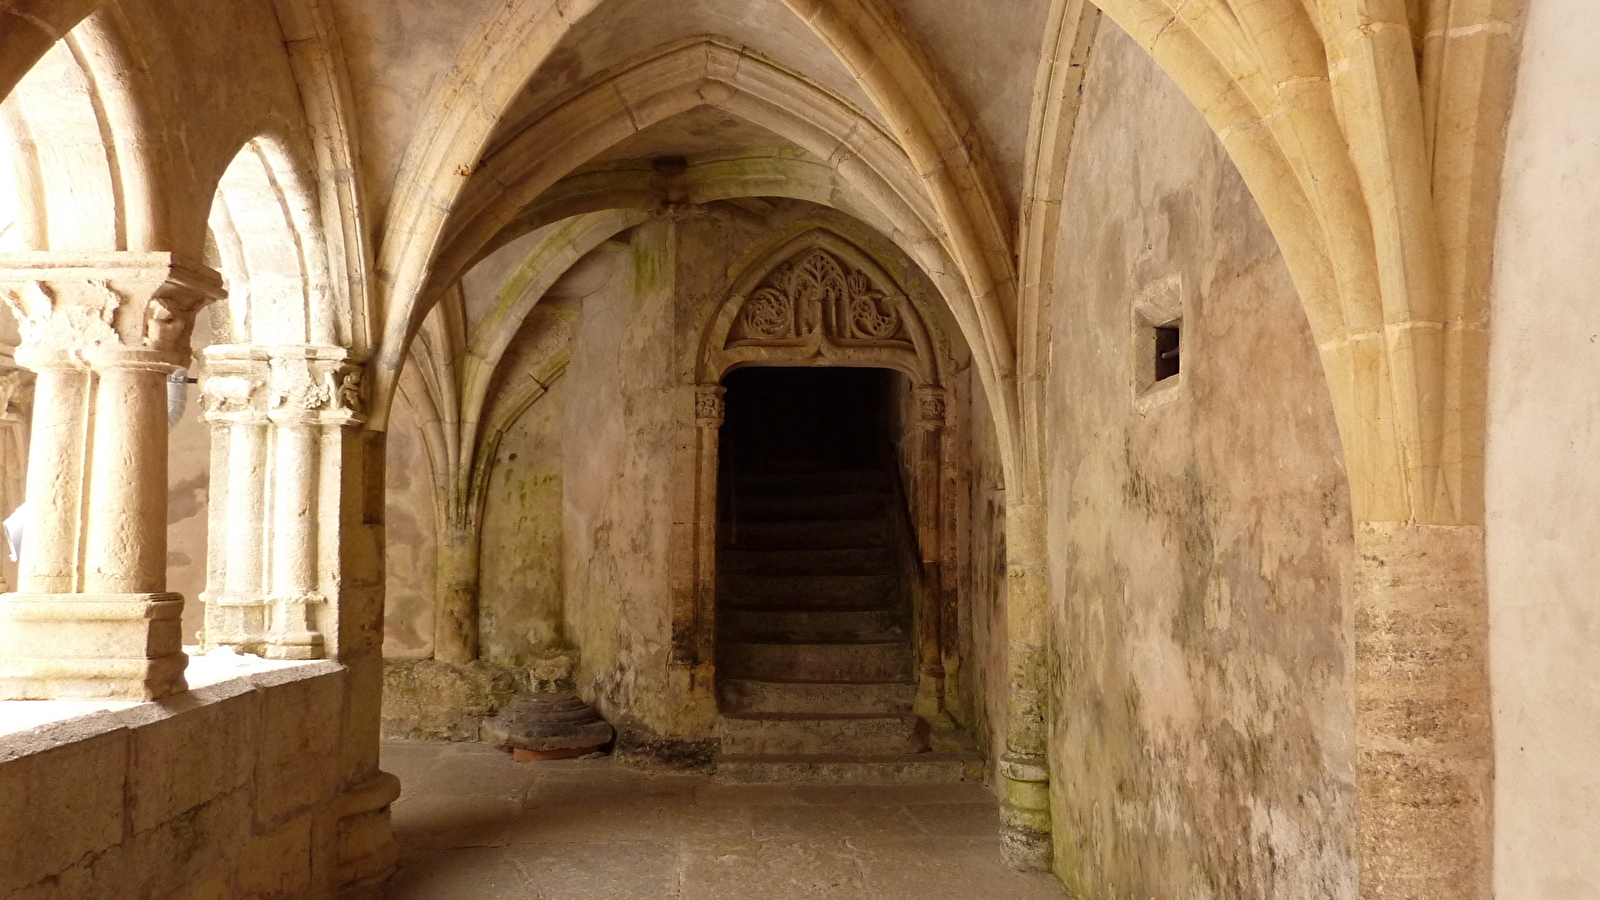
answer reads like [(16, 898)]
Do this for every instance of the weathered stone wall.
[(619, 425), (411, 551), (520, 589), (1543, 484), (980, 698), (1203, 704), (230, 791)]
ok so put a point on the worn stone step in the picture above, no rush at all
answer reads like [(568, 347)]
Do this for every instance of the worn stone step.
[(798, 507), (863, 661), (808, 534), (744, 735), (810, 624), (840, 768), (860, 481), (756, 696), (843, 591), (870, 561)]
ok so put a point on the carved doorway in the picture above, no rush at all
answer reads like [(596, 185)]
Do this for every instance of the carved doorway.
[(820, 531)]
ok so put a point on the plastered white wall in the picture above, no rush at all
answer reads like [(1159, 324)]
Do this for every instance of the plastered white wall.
[(1543, 478)]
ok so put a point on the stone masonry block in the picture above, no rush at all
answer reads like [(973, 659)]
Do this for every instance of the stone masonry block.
[(58, 804), (195, 755), (188, 847), (278, 863), (298, 761), (214, 886)]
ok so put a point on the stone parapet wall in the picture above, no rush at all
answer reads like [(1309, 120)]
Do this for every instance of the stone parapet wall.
[(240, 789)]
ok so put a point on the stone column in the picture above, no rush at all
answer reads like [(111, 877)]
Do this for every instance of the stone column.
[(232, 393), (125, 551), (12, 436), (316, 404), (294, 595), (1425, 740), (930, 601), (91, 617), (274, 410), (701, 621), (56, 454), (1025, 824), (455, 628)]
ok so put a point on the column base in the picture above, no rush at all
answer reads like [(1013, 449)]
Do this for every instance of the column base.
[(1025, 849), (929, 701), (297, 645), (292, 634), (366, 853), (236, 622), (91, 646), (1025, 839)]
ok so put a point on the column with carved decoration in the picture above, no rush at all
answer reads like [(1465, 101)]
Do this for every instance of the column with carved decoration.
[(273, 410), (708, 417), (926, 479), (91, 616)]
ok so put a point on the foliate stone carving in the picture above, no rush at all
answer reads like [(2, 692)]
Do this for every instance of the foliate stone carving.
[(115, 305), (931, 405), (817, 292), (10, 387), (228, 394), (347, 396), (768, 314), (306, 397), (708, 405), (291, 384)]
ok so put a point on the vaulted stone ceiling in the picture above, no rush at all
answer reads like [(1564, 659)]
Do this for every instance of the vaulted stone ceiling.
[(986, 53)]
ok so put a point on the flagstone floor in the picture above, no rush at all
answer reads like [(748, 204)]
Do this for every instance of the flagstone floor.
[(474, 825)]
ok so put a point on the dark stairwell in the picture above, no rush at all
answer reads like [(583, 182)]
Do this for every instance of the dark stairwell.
[(815, 656)]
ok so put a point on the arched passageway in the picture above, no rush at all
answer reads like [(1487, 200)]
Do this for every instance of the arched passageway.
[(1167, 570)]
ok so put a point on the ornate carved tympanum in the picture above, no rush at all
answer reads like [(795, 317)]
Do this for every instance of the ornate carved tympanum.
[(817, 293)]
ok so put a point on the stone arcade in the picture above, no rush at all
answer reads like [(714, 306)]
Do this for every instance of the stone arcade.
[(1026, 448)]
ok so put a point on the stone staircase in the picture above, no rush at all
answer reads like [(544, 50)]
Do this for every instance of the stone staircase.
[(815, 658)]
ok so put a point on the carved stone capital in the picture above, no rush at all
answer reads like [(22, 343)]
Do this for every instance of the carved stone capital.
[(931, 406), (316, 386), (105, 309), (287, 385), (233, 388), (16, 387), (708, 405)]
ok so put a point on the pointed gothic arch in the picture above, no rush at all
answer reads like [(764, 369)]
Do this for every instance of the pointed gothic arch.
[(818, 299)]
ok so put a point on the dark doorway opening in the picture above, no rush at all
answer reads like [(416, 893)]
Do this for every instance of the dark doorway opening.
[(783, 419), (814, 562)]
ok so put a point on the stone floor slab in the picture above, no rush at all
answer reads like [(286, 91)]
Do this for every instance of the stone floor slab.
[(475, 825)]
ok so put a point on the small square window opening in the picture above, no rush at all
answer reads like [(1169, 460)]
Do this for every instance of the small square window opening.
[(1168, 341)]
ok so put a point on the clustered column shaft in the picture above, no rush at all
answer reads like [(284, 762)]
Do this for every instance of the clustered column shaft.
[(271, 409)]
